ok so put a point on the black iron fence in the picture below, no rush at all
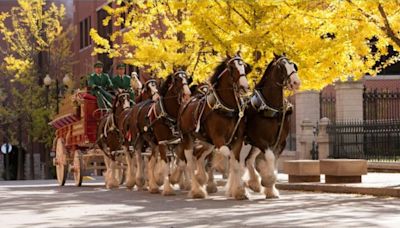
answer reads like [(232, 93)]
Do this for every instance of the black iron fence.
[(377, 140), (381, 104)]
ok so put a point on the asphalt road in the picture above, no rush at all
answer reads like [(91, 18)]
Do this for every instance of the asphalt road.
[(43, 204)]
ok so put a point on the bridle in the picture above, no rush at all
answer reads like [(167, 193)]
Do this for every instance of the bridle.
[(286, 78), (147, 84), (238, 97), (240, 101)]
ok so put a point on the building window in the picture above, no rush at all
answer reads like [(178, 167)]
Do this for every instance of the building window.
[(84, 28)]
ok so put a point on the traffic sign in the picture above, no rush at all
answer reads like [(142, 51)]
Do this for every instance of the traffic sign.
[(6, 148)]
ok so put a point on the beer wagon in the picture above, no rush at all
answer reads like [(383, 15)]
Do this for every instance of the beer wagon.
[(75, 138)]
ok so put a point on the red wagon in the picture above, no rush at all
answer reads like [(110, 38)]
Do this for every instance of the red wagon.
[(75, 137)]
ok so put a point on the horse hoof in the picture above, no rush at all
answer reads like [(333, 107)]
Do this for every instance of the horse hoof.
[(241, 197), (212, 189), (254, 186), (111, 186), (129, 188), (154, 190), (197, 194), (271, 193), (168, 193), (240, 194)]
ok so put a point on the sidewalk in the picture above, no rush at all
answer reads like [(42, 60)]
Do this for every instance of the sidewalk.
[(376, 184)]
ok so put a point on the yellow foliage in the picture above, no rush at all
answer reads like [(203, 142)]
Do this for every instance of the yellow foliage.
[(329, 40)]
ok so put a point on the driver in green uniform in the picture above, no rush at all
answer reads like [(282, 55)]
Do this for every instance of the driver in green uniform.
[(123, 81), (99, 83)]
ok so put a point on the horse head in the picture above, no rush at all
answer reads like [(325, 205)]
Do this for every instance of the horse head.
[(238, 71), (177, 84), (122, 100), (233, 72), (136, 84), (150, 90), (287, 73)]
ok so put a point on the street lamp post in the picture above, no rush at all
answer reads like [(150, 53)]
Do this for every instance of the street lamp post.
[(47, 82)]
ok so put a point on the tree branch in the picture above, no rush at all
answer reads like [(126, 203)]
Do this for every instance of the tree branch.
[(388, 29)]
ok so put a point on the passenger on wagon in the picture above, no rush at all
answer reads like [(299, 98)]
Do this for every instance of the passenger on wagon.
[(100, 83), (123, 81)]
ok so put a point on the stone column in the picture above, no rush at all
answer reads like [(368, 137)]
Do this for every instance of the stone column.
[(306, 138), (349, 100), (323, 138), (306, 107)]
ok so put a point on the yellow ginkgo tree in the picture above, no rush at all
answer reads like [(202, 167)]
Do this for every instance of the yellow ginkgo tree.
[(30, 31), (158, 36), (328, 39)]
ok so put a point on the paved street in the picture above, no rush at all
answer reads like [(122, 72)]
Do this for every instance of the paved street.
[(43, 204)]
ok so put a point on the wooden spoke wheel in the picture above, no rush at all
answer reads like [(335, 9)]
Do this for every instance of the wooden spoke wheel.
[(78, 168), (61, 166)]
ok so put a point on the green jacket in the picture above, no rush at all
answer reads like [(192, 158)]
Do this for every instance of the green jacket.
[(102, 80), (123, 82)]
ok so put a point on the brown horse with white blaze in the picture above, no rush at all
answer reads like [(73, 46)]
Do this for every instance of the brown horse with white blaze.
[(156, 126), (268, 123), (217, 119), (147, 91)]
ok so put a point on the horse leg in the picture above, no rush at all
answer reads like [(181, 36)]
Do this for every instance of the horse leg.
[(165, 168), (177, 172), (111, 180), (106, 174), (236, 170), (139, 178), (266, 165), (253, 183), (223, 151), (159, 171), (130, 171), (196, 190), (201, 174), (153, 187), (211, 185)]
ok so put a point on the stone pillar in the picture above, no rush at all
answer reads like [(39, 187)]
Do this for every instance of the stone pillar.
[(323, 138), (349, 100), (306, 107), (306, 138)]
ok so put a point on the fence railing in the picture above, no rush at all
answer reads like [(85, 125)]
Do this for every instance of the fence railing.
[(377, 140), (380, 105)]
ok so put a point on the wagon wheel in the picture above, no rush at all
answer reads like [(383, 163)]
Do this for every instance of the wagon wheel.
[(78, 168), (61, 157)]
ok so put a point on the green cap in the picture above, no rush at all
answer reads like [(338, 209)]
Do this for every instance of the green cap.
[(121, 65), (98, 64)]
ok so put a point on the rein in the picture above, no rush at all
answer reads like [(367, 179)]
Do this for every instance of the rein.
[(219, 105)]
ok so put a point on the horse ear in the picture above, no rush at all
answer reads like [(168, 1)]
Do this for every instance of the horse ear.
[(227, 55), (248, 68), (238, 53), (189, 80), (275, 55)]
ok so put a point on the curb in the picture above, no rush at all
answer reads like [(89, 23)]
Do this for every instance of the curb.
[(374, 191)]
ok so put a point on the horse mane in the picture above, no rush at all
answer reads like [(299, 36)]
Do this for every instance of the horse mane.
[(266, 73), (165, 85), (217, 72)]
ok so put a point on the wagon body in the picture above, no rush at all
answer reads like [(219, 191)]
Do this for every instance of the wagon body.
[(75, 136)]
